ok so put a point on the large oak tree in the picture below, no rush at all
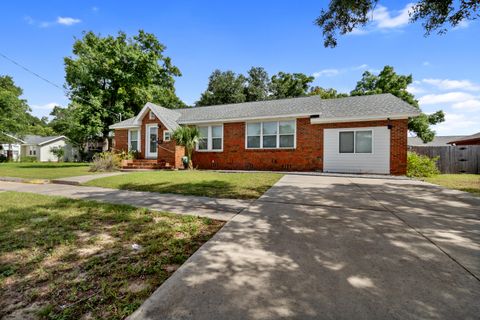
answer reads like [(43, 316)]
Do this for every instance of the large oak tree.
[(111, 76)]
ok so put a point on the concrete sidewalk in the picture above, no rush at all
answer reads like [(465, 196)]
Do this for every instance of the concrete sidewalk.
[(220, 209), (78, 180), (318, 247)]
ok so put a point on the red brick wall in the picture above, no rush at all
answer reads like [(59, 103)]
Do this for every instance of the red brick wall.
[(120, 143), (308, 156)]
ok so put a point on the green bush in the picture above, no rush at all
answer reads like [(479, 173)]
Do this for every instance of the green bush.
[(421, 166), (28, 159), (105, 161)]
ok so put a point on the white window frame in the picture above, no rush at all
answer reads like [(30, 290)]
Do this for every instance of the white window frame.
[(209, 138), (151, 115), (355, 141), (139, 139), (278, 134), (165, 132)]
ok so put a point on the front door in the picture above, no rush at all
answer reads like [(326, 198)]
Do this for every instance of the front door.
[(151, 140)]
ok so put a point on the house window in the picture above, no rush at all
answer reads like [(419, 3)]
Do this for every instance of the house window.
[(151, 115), (211, 138), (167, 136), (355, 141), (32, 151), (133, 140), (271, 134)]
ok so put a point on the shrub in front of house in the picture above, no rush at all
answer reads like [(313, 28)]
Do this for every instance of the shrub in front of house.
[(28, 159), (105, 161), (420, 166)]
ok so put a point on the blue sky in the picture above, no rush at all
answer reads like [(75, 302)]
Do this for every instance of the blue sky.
[(278, 35)]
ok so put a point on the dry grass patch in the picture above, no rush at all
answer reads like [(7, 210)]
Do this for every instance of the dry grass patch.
[(73, 259)]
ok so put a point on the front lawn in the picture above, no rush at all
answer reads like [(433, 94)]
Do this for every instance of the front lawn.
[(74, 259), (464, 182), (198, 183), (43, 170)]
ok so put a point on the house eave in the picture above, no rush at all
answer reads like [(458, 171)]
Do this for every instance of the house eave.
[(360, 119)]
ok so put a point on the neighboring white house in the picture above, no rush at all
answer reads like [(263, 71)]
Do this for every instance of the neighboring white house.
[(40, 147)]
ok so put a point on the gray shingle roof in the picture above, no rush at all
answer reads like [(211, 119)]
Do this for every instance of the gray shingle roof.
[(32, 139), (381, 105), (349, 108), (438, 141), (169, 117), (124, 123), (466, 138)]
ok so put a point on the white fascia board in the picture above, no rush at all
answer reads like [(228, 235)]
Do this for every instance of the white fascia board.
[(360, 119), (51, 140), (243, 119)]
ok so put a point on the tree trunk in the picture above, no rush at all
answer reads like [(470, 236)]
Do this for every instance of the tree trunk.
[(9, 152), (105, 145), (189, 155)]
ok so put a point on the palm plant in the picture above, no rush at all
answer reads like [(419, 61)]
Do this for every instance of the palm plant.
[(187, 137)]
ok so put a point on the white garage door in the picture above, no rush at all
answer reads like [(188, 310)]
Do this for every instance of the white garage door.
[(357, 150)]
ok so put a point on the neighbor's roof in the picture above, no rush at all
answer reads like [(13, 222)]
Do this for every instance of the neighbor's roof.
[(438, 141), (474, 136), (356, 108), (31, 139)]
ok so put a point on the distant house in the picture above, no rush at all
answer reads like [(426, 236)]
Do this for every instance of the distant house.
[(13, 147), (364, 134), (438, 141), (40, 147), (474, 139)]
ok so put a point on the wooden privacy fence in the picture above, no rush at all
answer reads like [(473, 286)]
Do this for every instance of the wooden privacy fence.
[(453, 159)]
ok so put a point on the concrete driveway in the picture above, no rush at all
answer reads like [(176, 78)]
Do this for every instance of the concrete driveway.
[(316, 247)]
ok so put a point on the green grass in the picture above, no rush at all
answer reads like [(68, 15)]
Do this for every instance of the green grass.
[(43, 170), (73, 259), (198, 183), (464, 182)]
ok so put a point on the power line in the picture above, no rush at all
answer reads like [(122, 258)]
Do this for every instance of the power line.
[(66, 92)]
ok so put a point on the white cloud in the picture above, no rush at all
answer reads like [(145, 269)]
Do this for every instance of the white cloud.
[(64, 21), (449, 97), (68, 21), (457, 124), (384, 19), (426, 63), (361, 67), (462, 25), (326, 73), (468, 105), (47, 106), (415, 89), (95, 9), (447, 84)]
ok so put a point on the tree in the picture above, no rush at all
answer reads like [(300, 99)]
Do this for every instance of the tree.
[(39, 127), (387, 81), (66, 122), (343, 16), (58, 152), (13, 110), (109, 76), (187, 137), (257, 84), (289, 85), (326, 93), (223, 87)]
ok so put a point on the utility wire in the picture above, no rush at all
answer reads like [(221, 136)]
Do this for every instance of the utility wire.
[(66, 92)]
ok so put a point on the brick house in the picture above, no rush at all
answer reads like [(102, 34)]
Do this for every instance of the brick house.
[(362, 134)]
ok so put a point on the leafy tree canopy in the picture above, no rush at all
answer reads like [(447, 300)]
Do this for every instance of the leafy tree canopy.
[(290, 85), (326, 93), (13, 110), (343, 16), (223, 87), (228, 87), (388, 81), (108, 76)]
